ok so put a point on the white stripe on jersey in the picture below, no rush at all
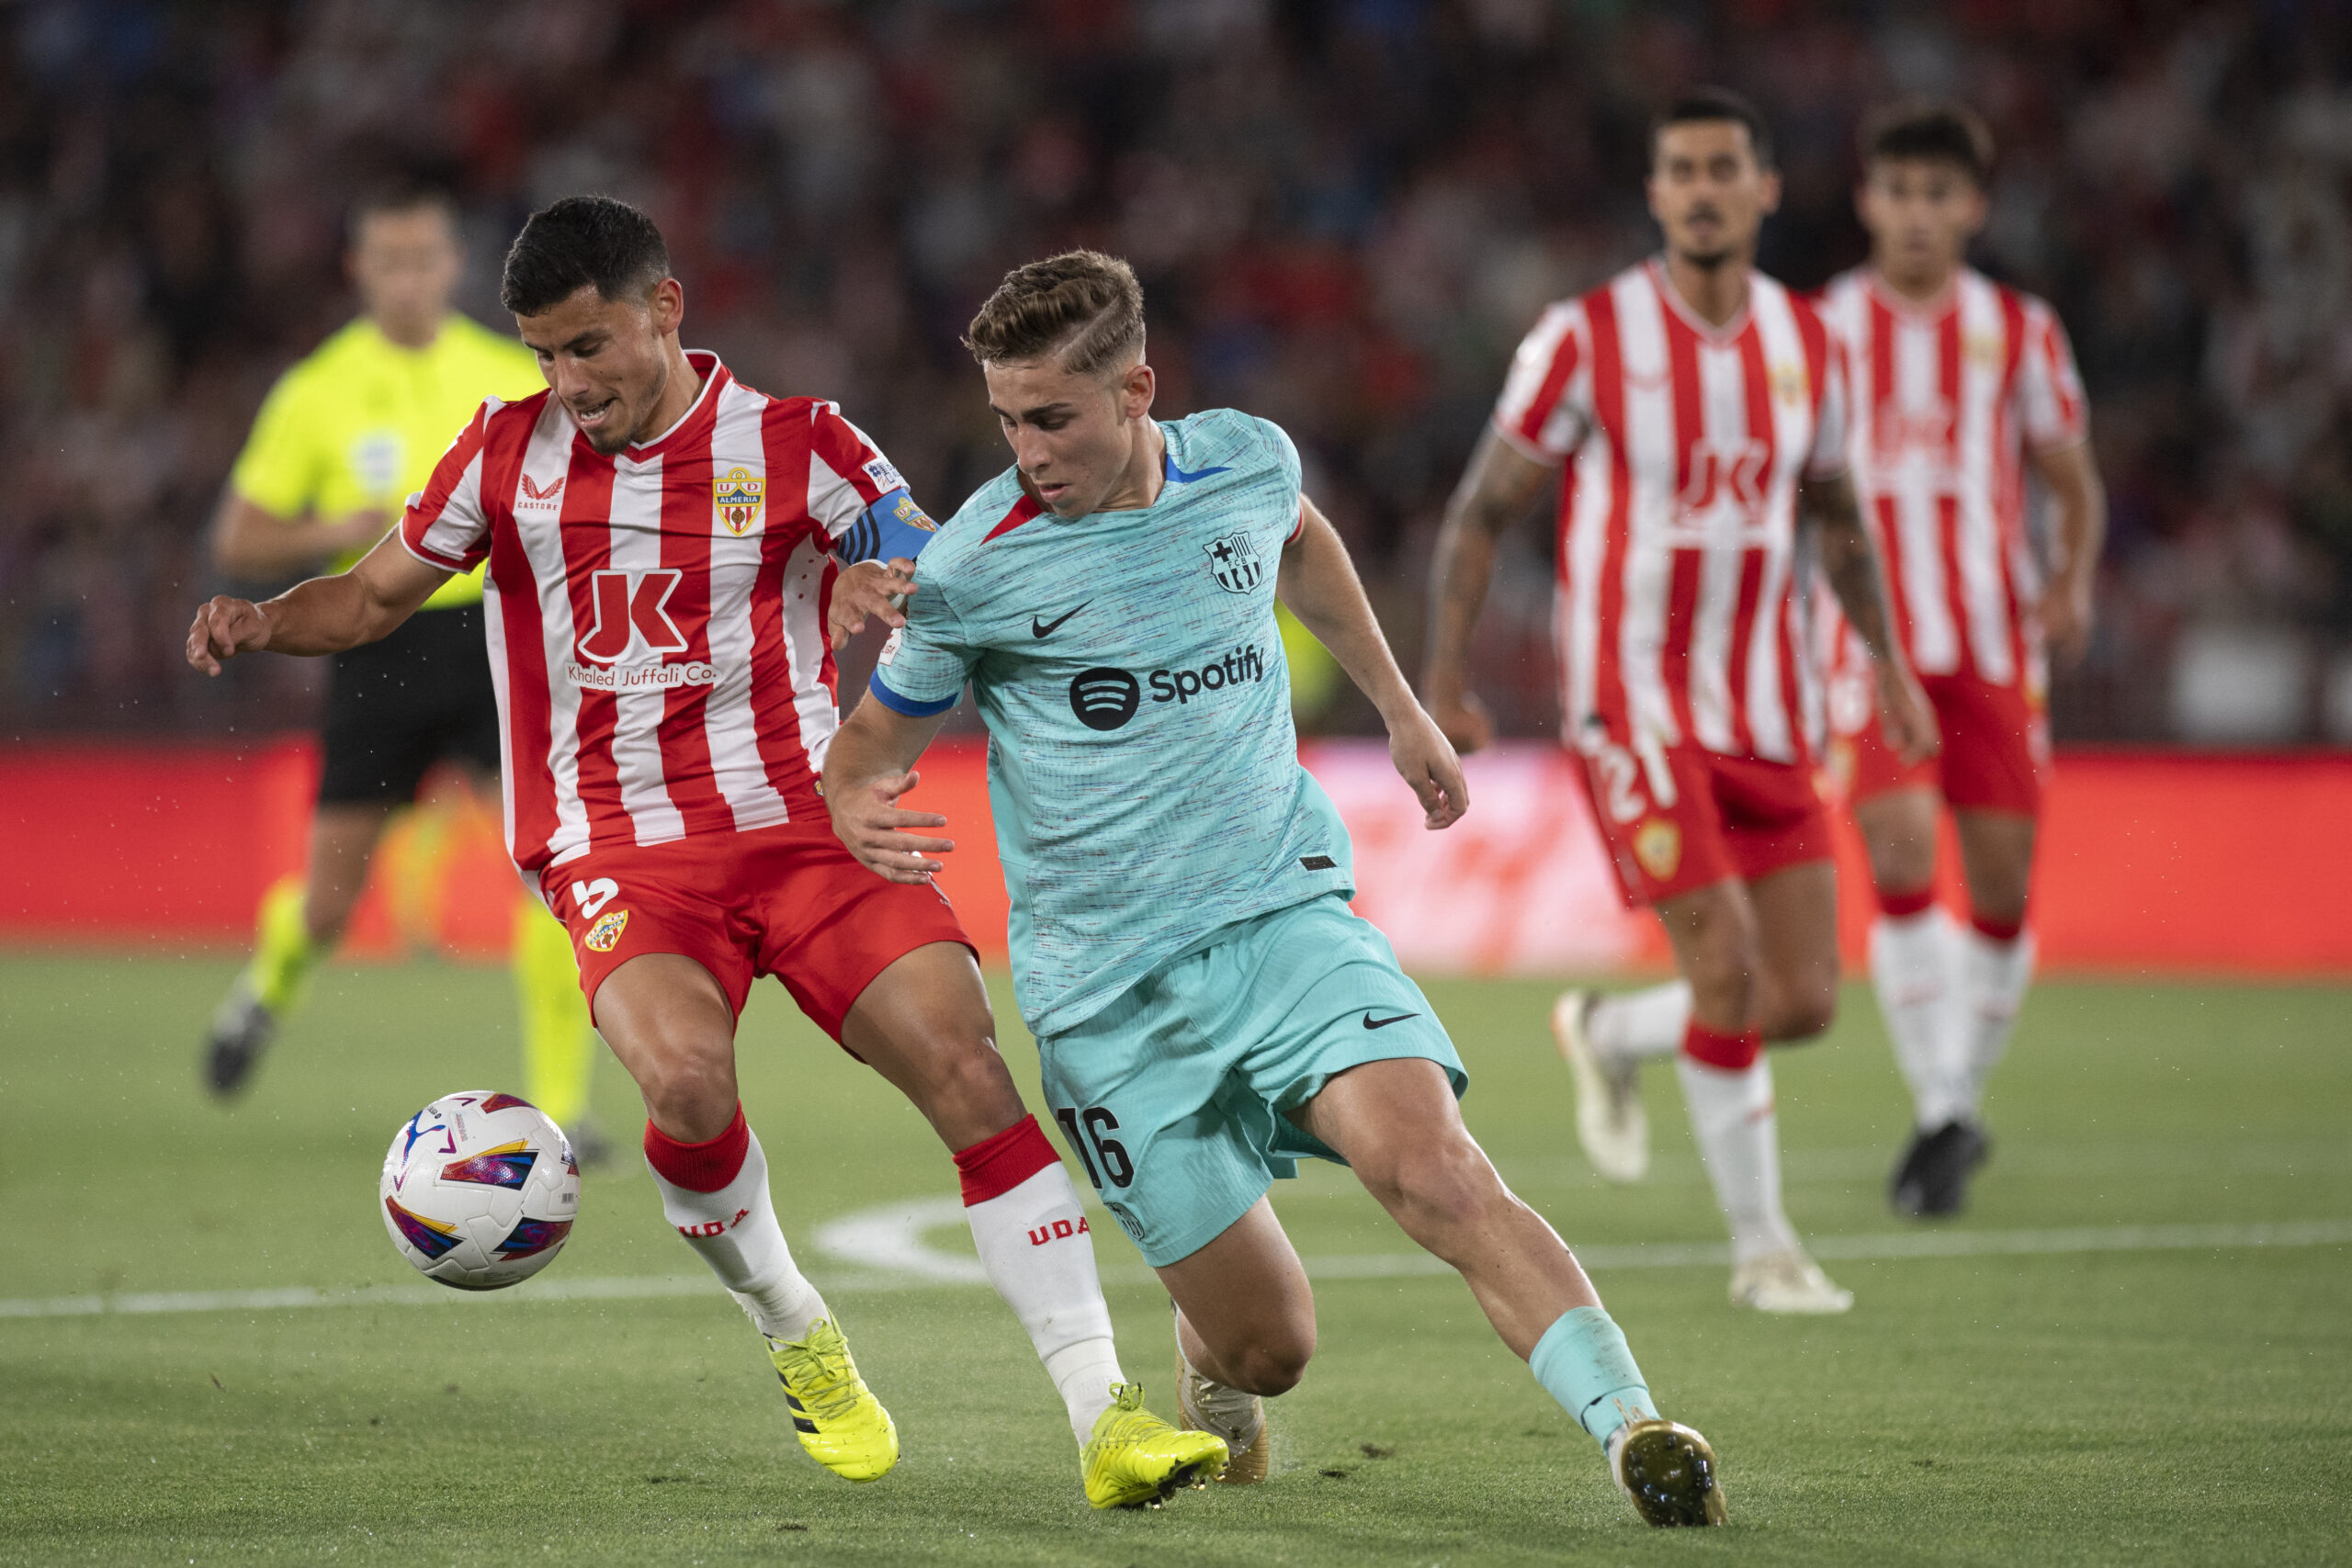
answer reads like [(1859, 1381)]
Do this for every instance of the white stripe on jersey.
[(546, 459), (1650, 451), (738, 769), (636, 533)]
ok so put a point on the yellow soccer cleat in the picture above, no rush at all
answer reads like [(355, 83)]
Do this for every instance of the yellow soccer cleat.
[(840, 1423), (1135, 1458), (1669, 1472)]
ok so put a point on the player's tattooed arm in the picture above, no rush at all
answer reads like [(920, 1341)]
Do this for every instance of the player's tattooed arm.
[(2079, 533), (869, 765), (1850, 561), (1319, 583), (1500, 488), (326, 615)]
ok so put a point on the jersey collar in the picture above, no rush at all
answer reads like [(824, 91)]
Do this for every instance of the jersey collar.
[(1934, 310), (706, 365), (1729, 331)]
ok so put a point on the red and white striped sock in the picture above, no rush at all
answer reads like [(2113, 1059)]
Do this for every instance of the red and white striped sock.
[(716, 1193), (1039, 1253)]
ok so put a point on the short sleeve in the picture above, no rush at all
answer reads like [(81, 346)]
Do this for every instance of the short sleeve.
[(281, 470), (847, 473), (2051, 409), (446, 523), (1284, 452), (925, 663), (1827, 456), (1546, 405)]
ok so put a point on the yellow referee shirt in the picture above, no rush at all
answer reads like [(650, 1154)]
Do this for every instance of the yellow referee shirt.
[(360, 423)]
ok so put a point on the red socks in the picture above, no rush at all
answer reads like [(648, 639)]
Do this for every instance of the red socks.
[(699, 1167), (1903, 906), (998, 1164), (1725, 1051)]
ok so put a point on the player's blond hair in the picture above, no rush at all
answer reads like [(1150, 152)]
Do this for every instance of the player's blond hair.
[(1082, 308)]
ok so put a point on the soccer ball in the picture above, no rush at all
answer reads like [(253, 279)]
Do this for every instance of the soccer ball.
[(480, 1191)]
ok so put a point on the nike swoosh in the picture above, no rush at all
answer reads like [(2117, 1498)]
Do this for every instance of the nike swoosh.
[(1372, 1022), (1047, 628)]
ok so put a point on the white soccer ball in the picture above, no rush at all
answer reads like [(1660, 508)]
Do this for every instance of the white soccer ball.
[(480, 1191)]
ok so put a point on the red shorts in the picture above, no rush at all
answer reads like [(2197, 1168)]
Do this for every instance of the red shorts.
[(787, 901), (1996, 745), (1728, 817)]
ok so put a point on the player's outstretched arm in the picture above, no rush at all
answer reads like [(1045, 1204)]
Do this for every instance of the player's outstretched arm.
[(1319, 584), (1499, 489), (2077, 534), (869, 765), (326, 615), (1850, 561)]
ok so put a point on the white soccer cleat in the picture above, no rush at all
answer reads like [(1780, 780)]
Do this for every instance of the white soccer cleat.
[(1610, 1122), (1204, 1404), (1787, 1283)]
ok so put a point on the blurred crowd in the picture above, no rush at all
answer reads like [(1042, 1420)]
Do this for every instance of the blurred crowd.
[(1345, 212)]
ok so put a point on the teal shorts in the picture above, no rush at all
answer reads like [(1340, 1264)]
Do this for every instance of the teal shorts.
[(1175, 1096)]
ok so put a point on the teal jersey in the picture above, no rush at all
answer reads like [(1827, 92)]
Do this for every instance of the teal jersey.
[(1142, 766)]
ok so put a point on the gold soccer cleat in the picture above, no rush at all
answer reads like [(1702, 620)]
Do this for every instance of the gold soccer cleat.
[(1669, 1472), (840, 1422), (1135, 1459), (1204, 1404)]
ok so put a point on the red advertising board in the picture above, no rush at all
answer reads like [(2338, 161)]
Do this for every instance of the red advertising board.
[(2174, 862)]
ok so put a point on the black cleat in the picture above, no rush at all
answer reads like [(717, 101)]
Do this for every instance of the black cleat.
[(1669, 1471), (241, 1030), (1931, 1179)]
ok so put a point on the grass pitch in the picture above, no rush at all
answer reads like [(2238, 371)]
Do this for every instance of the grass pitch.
[(2112, 1394)]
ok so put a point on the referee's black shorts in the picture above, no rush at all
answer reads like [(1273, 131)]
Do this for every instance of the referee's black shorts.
[(396, 707)]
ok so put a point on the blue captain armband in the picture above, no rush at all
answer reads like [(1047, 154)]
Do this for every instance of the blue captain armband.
[(907, 705), (892, 527)]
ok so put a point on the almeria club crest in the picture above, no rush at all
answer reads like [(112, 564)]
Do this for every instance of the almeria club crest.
[(737, 495), (1233, 560)]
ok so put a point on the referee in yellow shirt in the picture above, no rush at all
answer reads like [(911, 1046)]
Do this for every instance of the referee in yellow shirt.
[(344, 437)]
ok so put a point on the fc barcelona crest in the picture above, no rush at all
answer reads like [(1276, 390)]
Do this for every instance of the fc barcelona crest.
[(737, 495), (1233, 560)]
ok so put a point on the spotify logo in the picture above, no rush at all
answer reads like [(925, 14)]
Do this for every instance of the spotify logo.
[(1104, 698)]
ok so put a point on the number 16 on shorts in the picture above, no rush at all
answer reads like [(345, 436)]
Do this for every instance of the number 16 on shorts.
[(1103, 1157)]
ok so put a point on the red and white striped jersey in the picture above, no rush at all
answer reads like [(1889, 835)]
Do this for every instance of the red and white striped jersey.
[(656, 618), (1947, 399), (1685, 444)]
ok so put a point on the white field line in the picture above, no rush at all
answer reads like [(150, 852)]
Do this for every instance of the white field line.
[(903, 1261)]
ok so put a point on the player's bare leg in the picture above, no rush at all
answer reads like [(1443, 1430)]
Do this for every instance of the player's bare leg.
[(672, 1026), (1246, 1315), (300, 922), (1761, 960), (1244, 1330), (924, 1024)]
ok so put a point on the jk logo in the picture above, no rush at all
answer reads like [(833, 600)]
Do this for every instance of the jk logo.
[(630, 604)]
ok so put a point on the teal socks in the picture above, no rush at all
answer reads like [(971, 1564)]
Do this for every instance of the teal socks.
[(1582, 1361)]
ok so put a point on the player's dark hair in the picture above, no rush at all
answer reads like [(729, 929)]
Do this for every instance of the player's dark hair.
[(582, 242), (1698, 105), (1082, 306), (1931, 130), (399, 196)]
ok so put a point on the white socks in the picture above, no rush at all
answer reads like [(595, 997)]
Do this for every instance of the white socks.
[(1738, 1134), (1915, 968), (1949, 996), (1635, 1026), (735, 1230), (1995, 976), (1038, 1249)]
